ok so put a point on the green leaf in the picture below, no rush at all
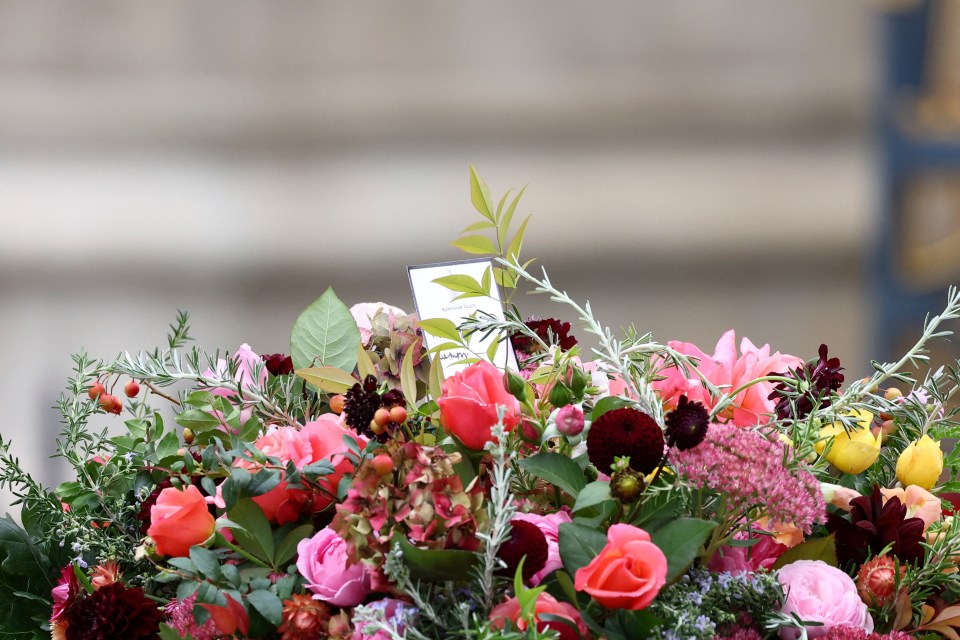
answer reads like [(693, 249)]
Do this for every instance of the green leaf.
[(288, 546), (268, 605), (433, 565), (479, 226), (461, 282), (326, 332), (169, 633), (513, 251), (480, 195), (680, 541), (558, 470), (408, 378), (505, 221), (365, 365), (608, 404), (197, 420), (441, 328), (255, 536), (206, 562), (476, 244), (168, 446), (327, 379), (817, 549), (593, 494), (579, 545)]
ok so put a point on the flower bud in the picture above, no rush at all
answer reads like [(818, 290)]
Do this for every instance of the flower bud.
[(921, 463), (570, 420), (560, 395), (877, 581), (515, 385), (578, 381), (626, 486), (853, 450)]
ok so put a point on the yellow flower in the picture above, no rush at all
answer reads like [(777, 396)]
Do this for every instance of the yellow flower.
[(920, 463), (851, 452)]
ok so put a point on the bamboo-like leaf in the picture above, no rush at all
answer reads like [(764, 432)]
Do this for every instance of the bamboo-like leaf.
[(476, 244), (441, 328), (435, 379), (408, 379), (327, 379), (479, 226), (946, 622), (365, 365), (485, 280), (480, 195), (513, 251), (460, 282), (504, 225)]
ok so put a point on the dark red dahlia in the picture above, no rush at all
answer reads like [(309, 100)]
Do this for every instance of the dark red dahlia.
[(874, 525), (818, 378), (526, 540), (549, 330), (278, 364), (361, 403), (625, 432), (114, 612), (687, 424)]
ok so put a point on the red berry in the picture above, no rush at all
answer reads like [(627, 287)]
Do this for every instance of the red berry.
[(96, 390), (111, 404), (398, 414), (131, 389), (337, 402), (382, 464), (382, 417), (376, 428), (117, 405)]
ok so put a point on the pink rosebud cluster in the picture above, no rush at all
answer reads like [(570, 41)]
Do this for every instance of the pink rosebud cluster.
[(748, 468), (423, 498)]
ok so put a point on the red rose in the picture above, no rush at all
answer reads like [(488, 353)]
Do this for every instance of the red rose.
[(469, 401), (179, 520), (628, 573)]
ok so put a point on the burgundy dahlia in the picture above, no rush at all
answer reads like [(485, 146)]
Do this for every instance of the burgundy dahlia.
[(687, 424), (872, 526), (818, 379), (114, 612), (278, 364), (361, 403), (549, 330), (625, 432), (526, 540)]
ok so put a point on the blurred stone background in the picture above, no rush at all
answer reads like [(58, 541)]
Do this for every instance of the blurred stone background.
[(692, 166)]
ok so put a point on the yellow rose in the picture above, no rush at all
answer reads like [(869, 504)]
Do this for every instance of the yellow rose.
[(921, 463), (851, 452)]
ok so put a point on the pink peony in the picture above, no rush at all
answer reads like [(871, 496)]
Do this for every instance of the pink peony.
[(726, 370), (321, 439), (329, 574), (817, 592), (363, 313), (550, 527)]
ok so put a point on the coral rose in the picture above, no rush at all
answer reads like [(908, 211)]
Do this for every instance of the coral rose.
[(330, 576), (628, 573), (321, 439), (817, 592), (469, 401), (179, 520), (546, 604)]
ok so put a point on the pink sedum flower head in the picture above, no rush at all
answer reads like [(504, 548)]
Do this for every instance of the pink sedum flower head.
[(817, 592), (728, 370), (323, 561)]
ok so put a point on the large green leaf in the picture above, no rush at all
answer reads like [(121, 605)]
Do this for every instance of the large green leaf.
[(436, 565), (823, 549), (558, 470), (20, 555), (579, 545), (325, 332), (255, 535), (680, 541)]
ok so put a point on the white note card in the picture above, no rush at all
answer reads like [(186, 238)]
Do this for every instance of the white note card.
[(434, 300)]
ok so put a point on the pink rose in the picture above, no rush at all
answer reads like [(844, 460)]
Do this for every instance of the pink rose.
[(727, 370), (546, 604), (178, 520), (628, 573), (469, 401), (817, 592), (363, 313), (324, 563), (550, 527), (321, 439), (761, 555)]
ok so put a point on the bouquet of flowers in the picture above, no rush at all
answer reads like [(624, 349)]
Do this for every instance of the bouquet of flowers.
[(356, 489)]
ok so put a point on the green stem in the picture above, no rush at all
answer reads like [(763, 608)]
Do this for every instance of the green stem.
[(255, 560)]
